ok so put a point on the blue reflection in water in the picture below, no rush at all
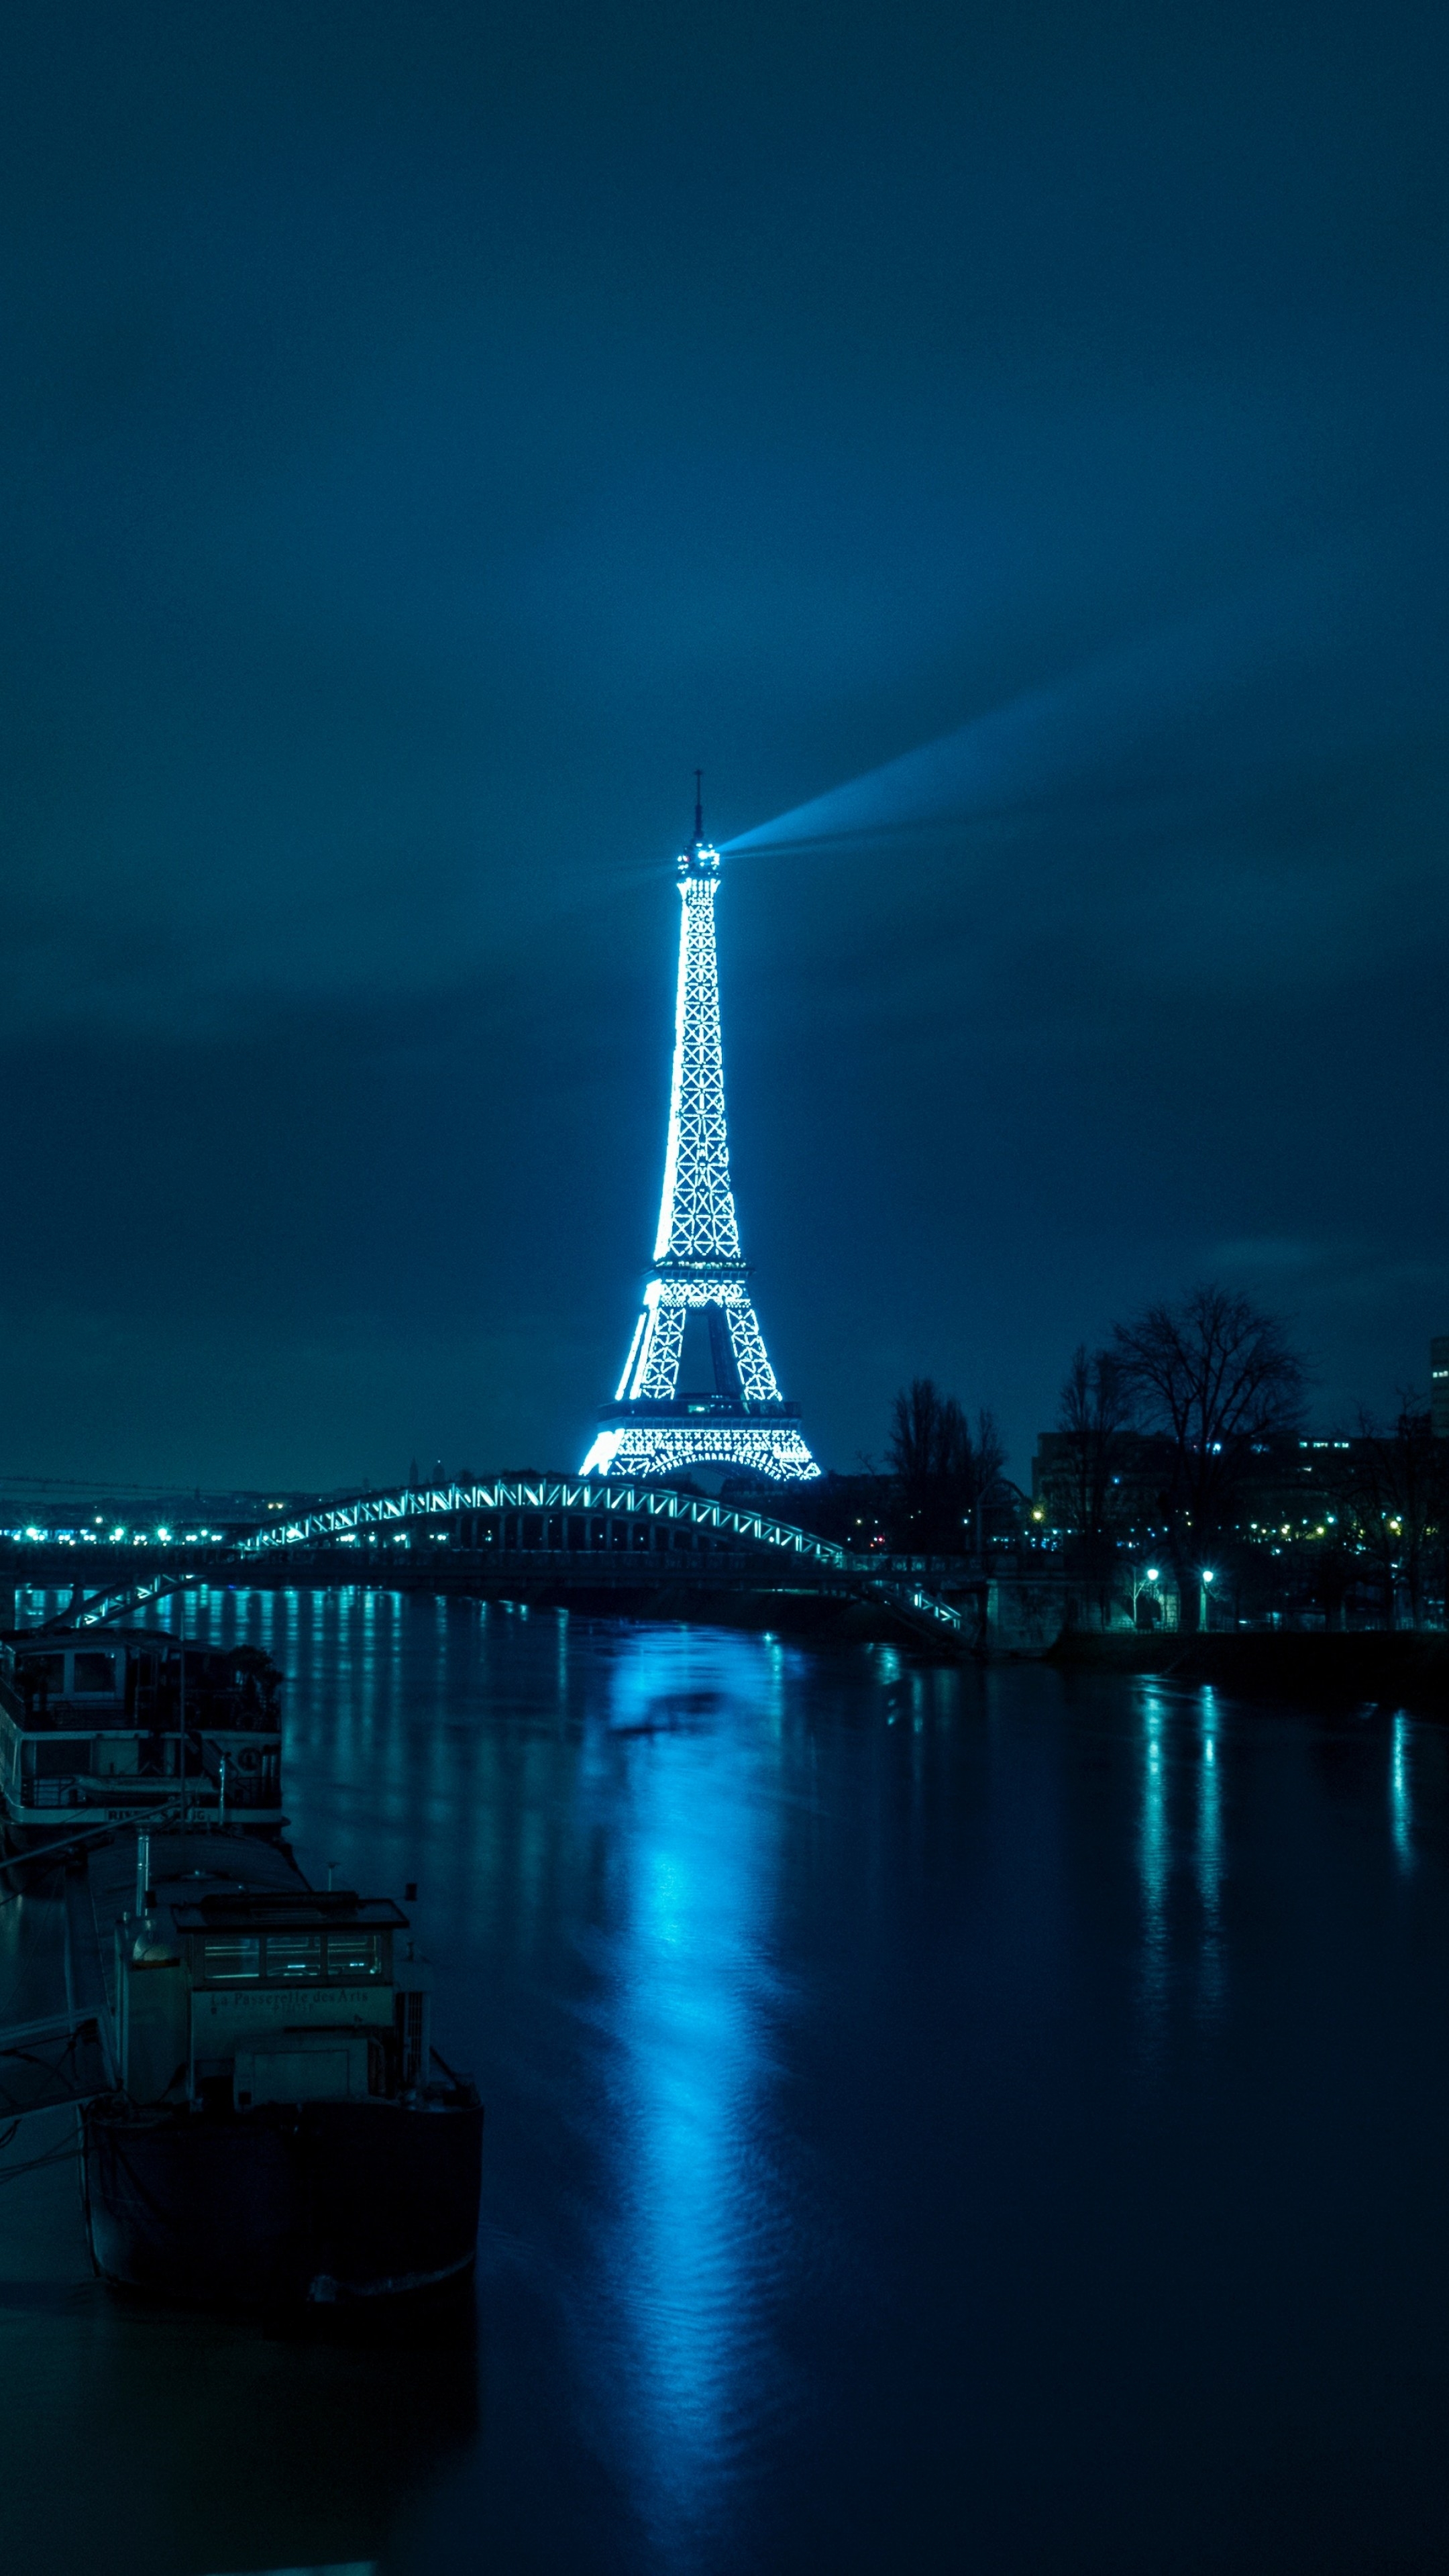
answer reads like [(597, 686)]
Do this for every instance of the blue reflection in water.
[(1155, 1853), (1153, 1856), (690, 2014), (783, 2263), (1210, 1850), (367, 1664), (1401, 1810)]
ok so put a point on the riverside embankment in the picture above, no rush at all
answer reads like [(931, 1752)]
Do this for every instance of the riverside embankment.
[(1362, 1667)]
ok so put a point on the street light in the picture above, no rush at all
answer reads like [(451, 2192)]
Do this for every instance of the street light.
[(1146, 1581), (1208, 1578)]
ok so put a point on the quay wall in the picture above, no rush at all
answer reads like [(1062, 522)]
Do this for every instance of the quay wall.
[(1026, 1615)]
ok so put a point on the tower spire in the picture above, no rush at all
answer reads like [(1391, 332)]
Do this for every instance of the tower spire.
[(654, 1427)]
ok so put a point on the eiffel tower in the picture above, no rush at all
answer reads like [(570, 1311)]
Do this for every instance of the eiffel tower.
[(654, 1427)]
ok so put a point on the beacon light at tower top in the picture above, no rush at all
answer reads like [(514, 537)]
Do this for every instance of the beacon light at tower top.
[(655, 1427)]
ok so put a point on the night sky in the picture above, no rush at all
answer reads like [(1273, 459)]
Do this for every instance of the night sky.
[(1007, 445)]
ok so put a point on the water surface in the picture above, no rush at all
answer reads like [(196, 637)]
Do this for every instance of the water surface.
[(935, 2119)]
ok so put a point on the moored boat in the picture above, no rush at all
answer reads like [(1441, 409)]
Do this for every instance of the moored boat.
[(283, 2133), (112, 1726)]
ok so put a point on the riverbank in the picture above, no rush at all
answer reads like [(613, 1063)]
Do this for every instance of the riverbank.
[(1405, 1669)]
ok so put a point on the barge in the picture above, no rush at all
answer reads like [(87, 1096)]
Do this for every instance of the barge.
[(265, 2121), (283, 2133), (113, 1726)]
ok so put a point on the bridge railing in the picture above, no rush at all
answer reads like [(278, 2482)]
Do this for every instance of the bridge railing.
[(927, 1606)]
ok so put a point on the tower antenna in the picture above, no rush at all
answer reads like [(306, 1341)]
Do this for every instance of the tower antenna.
[(699, 805)]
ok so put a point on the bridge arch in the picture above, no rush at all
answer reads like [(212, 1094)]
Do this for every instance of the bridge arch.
[(575, 1515), (601, 1538)]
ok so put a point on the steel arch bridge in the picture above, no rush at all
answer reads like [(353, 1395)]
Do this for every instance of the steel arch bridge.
[(609, 1502), (599, 1535)]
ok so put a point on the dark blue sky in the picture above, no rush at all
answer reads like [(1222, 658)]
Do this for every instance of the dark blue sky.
[(426, 432)]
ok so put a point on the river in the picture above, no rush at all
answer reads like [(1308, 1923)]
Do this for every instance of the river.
[(937, 2119)]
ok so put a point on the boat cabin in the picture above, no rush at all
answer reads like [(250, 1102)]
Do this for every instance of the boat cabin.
[(109, 1722), (237, 1997)]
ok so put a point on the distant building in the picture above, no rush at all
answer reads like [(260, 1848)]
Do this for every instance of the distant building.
[(853, 1510), (1439, 1384), (1285, 1493)]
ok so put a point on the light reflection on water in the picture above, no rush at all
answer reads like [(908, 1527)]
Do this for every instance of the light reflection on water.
[(827, 2218), (1401, 1805), (1210, 1849), (1154, 1854), (1182, 1751), (689, 2008)]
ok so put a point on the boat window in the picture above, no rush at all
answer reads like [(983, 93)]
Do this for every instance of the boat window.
[(353, 1954), (60, 1757), (294, 1954), (95, 1673), (45, 1672), (224, 1962)]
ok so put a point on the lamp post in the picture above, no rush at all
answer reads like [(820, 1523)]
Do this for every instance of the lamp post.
[(1146, 1581), (1208, 1579)]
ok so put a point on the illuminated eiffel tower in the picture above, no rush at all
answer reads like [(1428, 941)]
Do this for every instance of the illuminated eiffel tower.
[(653, 1427)]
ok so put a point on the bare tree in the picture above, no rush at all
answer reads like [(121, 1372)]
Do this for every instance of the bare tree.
[(985, 1483), (1391, 1488), (1216, 1378), (928, 1435), (944, 1478), (1097, 1407)]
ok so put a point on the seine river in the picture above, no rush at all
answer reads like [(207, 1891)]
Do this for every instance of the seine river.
[(936, 2120)]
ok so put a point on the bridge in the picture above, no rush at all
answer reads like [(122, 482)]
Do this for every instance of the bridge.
[(603, 1542)]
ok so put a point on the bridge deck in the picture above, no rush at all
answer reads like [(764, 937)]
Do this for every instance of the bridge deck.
[(571, 1535)]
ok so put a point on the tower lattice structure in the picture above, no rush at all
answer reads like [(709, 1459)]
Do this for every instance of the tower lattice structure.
[(654, 1427)]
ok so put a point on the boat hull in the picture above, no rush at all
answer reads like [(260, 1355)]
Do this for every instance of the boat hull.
[(286, 2205)]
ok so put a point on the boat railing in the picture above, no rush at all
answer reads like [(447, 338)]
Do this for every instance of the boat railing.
[(63, 1792), (244, 1790), (230, 1712)]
